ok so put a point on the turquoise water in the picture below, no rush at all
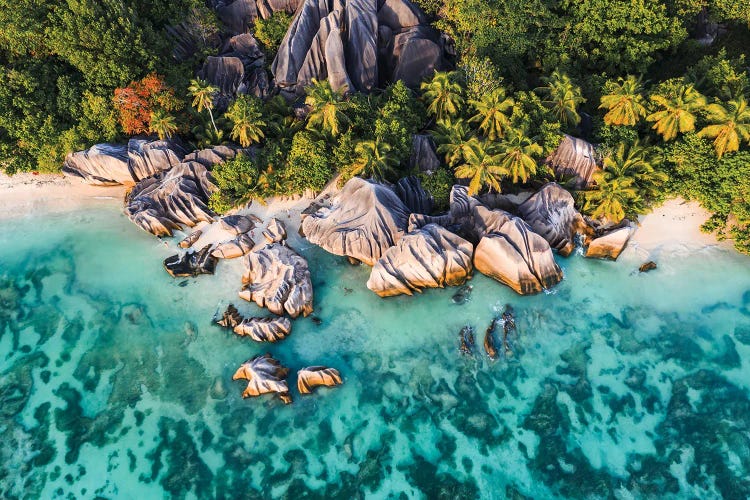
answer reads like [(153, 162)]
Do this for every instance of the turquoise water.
[(116, 384)]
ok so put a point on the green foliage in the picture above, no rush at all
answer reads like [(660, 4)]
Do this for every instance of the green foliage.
[(327, 109), (247, 120), (439, 184), (729, 125), (270, 32), (624, 102), (308, 165), (562, 97), (480, 75), (443, 95), (721, 77), (235, 178), (677, 104)]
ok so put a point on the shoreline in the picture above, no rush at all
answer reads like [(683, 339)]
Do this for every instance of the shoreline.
[(673, 225)]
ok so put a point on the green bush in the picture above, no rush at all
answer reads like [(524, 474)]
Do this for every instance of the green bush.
[(308, 165), (439, 185), (270, 32)]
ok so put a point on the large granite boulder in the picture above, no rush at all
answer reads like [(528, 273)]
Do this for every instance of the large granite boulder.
[(191, 263), (238, 224), (278, 278), (361, 17), (264, 375), (362, 221), (264, 329), (423, 155), (232, 249), (414, 55), (225, 72), (275, 231), (101, 164), (510, 252), (230, 318), (147, 158), (610, 245), (551, 213), (266, 8), (411, 192), (400, 14), (237, 15), (574, 159), (430, 257), (314, 376)]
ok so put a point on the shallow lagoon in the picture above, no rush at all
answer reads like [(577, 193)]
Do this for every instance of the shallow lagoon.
[(115, 383)]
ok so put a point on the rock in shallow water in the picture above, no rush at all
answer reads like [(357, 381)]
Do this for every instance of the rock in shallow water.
[(232, 249), (264, 375), (314, 376), (191, 263), (278, 278), (363, 221), (609, 246), (190, 239), (264, 329), (430, 257), (230, 318)]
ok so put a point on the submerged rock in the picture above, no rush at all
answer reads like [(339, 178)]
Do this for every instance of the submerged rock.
[(191, 263), (489, 340), (551, 214), (190, 239), (610, 245), (513, 254), (431, 257), (314, 376), (647, 266), (362, 221), (466, 340), (264, 375), (232, 249), (275, 232), (278, 278), (462, 295), (230, 318), (264, 329)]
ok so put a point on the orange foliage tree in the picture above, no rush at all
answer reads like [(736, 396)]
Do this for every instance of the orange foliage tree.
[(136, 102)]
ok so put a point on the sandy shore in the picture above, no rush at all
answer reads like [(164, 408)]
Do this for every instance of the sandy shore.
[(25, 193)]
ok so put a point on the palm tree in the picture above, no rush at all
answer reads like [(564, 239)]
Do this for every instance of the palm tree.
[(452, 137), (443, 95), (730, 125), (676, 113), (624, 102), (162, 124), (610, 199), (482, 166), (327, 108), (281, 122), (203, 94), (374, 159), (247, 120), (491, 113), (562, 97), (517, 154)]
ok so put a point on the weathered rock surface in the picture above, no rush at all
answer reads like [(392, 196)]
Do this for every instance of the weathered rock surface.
[(610, 245), (179, 196), (574, 158), (430, 257), (423, 155), (232, 249), (278, 278), (275, 232), (230, 318), (225, 72), (190, 239), (264, 329), (238, 15), (647, 266), (314, 376), (362, 221), (264, 375), (101, 164), (349, 41), (146, 158), (191, 263), (411, 192), (551, 214), (238, 224), (513, 254)]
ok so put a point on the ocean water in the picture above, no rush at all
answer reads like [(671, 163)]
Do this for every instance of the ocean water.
[(116, 384)]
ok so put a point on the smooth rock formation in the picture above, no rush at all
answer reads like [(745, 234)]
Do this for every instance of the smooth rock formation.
[(411, 192), (314, 376), (610, 245), (430, 257), (574, 158), (551, 214), (362, 221), (238, 224), (414, 55), (513, 254), (232, 249), (264, 329), (224, 72), (275, 232), (191, 263), (147, 158), (237, 15), (278, 278), (647, 266), (190, 239), (101, 164), (361, 17), (423, 154), (230, 318), (264, 375)]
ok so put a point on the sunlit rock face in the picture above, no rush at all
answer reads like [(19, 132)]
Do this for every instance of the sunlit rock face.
[(264, 329), (278, 278), (264, 375), (358, 45), (430, 257), (314, 376), (275, 231), (238, 224), (414, 196), (551, 214), (610, 245), (513, 254), (362, 221), (232, 249), (574, 158)]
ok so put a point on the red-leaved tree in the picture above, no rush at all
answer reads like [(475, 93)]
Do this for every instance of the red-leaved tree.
[(135, 102)]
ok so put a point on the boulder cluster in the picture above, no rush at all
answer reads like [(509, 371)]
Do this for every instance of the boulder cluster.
[(384, 227)]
